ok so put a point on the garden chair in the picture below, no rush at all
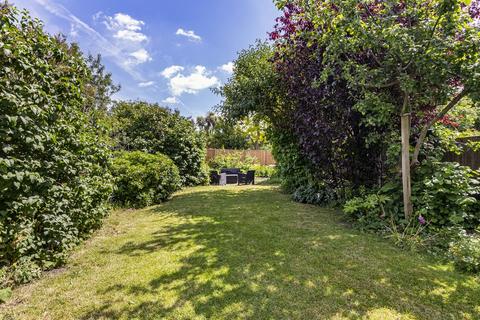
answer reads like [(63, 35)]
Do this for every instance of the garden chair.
[(248, 178), (214, 177)]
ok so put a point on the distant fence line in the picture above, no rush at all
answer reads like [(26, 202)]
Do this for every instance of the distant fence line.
[(264, 157), (468, 157)]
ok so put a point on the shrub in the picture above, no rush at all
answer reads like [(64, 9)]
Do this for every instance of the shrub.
[(233, 160), (292, 167), (312, 193), (264, 171), (143, 179), (153, 129), (444, 194), (367, 212), (237, 160), (54, 178), (465, 253)]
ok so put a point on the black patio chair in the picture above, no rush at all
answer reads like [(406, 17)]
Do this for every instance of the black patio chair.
[(214, 177), (248, 178)]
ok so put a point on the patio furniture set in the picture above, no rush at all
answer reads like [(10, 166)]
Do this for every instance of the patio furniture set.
[(232, 176)]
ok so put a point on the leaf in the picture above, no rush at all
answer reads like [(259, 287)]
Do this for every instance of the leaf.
[(5, 294)]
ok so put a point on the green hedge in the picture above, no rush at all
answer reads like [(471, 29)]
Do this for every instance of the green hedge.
[(143, 179), (54, 180), (150, 128)]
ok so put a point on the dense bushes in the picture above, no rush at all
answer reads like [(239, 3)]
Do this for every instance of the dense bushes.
[(54, 178), (444, 193), (232, 160), (153, 129), (244, 163), (465, 253), (143, 179)]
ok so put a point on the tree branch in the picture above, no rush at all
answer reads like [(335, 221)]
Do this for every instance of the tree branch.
[(429, 124)]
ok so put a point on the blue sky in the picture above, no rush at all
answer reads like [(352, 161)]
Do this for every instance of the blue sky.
[(167, 51)]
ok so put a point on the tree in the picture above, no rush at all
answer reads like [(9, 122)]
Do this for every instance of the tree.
[(254, 89), (153, 129), (410, 60), (100, 89), (224, 133)]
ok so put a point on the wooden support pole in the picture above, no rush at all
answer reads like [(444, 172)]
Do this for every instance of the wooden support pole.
[(406, 179)]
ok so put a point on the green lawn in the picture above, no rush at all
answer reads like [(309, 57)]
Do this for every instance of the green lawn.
[(243, 253)]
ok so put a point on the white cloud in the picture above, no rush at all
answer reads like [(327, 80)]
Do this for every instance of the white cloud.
[(171, 71), (228, 67), (171, 100), (146, 84), (122, 21), (190, 34), (129, 38), (198, 80), (129, 35), (140, 56), (123, 26)]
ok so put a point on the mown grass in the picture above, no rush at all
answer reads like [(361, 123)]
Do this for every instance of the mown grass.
[(243, 253)]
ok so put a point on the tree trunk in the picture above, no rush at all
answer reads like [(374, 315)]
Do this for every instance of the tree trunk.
[(406, 180)]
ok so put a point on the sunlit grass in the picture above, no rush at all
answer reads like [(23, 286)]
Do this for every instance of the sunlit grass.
[(243, 253)]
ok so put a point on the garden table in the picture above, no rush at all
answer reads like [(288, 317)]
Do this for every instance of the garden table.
[(232, 175)]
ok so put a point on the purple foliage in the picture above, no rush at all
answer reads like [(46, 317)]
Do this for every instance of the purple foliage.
[(327, 127)]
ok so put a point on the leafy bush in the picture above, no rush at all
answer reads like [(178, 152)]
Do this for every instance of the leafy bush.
[(465, 253), (233, 160), (368, 212), (264, 171), (143, 179), (292, 167), (153, 129), (444, 194), (54, 178), (237, 160)]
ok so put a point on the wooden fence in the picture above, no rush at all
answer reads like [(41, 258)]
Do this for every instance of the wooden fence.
[(469, 157), (264, 157)]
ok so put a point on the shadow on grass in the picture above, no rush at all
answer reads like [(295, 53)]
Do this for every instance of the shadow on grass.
[(253, 254)]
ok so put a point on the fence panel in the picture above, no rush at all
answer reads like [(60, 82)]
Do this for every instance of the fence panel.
[(468, 157), (264, 157)]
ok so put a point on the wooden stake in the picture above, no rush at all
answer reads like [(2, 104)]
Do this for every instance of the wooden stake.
[(406, 180)]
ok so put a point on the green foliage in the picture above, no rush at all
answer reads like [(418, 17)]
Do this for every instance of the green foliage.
[(5, 294), (153, 129), (465, 253), (264, 171), (143, 179), (100, 88), (221, 133), (254, 87), (444, 194), (314, 194), (237, 159), (292, 168), (226, 133), (233, 160), (368, 212), (54, 178)]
